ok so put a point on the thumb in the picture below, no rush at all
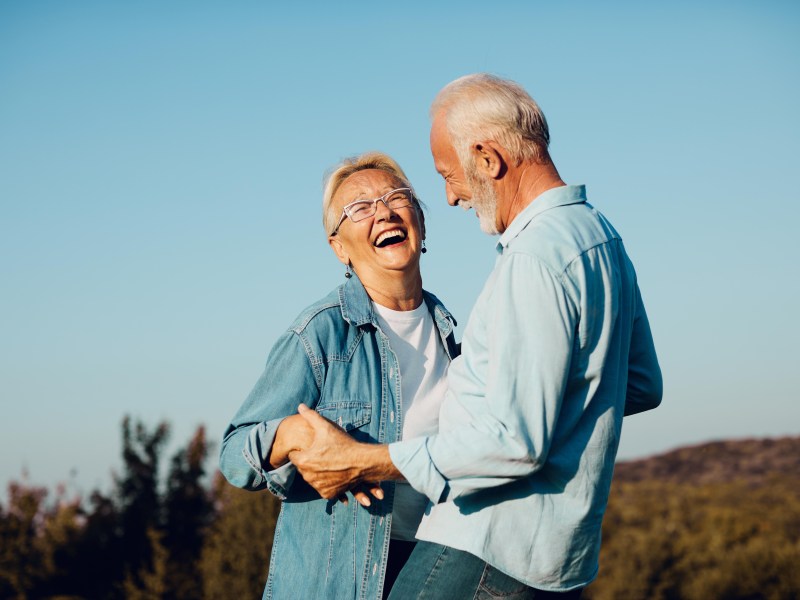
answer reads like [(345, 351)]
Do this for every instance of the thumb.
[(312, 417)]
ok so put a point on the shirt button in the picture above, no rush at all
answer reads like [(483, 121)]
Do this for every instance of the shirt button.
[(391, 372), (391, 416), (374, 568)]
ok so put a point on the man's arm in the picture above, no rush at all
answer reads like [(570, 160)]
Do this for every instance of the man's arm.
[(645, 385), (509, 428)]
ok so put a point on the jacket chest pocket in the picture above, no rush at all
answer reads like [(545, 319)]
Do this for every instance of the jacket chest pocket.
[(348, 415)]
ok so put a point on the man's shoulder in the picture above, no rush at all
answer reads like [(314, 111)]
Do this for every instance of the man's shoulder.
[(558, 236)]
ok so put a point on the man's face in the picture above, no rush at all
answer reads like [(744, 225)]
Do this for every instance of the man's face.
[(464, 188)]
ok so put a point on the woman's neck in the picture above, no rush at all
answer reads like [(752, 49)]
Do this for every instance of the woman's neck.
[(403, 292)]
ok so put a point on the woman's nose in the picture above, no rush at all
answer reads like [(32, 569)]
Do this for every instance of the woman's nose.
[(382, 211)]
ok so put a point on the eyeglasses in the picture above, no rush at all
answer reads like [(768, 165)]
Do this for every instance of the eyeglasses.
[(363, 209)]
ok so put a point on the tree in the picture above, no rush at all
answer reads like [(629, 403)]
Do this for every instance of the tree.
[(187, 512), (37, 541), (137, 495), (237, 548)]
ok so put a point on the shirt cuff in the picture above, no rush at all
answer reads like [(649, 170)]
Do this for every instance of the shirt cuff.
[(412, 459), (256, 452)]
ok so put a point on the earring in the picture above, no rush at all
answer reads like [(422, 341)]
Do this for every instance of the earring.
[(424, 249), (347, 273)]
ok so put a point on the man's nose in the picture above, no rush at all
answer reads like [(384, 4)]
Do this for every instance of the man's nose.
[(452, 197)]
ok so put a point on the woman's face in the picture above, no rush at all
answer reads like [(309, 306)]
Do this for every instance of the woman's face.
[(389, 241)]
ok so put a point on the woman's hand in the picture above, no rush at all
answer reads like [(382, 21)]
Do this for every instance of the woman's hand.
[(294, 433)]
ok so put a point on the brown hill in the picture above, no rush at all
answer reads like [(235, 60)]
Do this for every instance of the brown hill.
[(752, 460)]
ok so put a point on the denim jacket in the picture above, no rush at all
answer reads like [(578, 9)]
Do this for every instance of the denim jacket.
[(335, 359)]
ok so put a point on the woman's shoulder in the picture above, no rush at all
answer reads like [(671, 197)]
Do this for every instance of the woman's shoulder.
[(325, 311)]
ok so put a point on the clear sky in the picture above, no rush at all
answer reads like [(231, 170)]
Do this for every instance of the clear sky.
[(160, 188)]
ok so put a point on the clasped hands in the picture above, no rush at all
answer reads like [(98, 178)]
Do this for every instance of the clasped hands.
[(331, 461)]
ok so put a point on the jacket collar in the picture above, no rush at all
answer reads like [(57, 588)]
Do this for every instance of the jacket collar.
[(357, 307)]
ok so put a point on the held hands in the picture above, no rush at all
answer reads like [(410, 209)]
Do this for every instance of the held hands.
[(328, 464)]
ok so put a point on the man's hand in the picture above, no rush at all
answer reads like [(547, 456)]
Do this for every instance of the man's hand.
[(336, 463)]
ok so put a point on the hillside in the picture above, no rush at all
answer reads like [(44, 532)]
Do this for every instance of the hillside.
[(719, 520), (756, 461)]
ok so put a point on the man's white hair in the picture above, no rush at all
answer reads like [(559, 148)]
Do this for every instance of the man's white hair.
[(337, 175), (483, 107)]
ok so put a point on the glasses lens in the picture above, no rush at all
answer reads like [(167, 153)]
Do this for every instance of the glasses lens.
[(361, 209), (398, 198)]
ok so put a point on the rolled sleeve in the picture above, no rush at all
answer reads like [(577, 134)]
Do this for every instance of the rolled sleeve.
[(413, 460), (502, 430)]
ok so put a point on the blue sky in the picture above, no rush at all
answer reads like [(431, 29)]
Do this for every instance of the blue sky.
[(160, 187)]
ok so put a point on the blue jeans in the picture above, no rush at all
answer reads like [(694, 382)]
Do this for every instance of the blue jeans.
[(434, 572)]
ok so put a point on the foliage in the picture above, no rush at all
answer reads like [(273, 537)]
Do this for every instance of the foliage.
[(718, 521), (733, 540), (237, 549), (36, 538)]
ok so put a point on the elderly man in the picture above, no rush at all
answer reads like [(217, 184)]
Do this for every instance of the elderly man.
[(557, 349)]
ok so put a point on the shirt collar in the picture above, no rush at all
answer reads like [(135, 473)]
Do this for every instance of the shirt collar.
[(558, 196)]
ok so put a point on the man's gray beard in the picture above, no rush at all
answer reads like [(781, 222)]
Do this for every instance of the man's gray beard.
[(484, 200)]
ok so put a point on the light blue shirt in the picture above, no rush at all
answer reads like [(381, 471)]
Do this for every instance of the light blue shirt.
[(557, 349)]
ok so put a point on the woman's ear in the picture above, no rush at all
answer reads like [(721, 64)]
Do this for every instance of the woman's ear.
[(338, 249)]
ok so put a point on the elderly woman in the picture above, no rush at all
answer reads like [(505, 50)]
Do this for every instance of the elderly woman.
[(371, 356)]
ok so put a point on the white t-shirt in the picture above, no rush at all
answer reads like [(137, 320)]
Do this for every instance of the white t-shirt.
[(423, 362)]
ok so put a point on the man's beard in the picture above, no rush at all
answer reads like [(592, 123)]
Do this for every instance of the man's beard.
[(484, 200)]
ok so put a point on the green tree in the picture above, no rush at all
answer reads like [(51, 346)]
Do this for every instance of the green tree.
[(138, 495), (237, 548), (37, 541), (187, 512)]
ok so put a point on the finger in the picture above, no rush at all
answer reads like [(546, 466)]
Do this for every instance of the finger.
[(362, 498), (343, 499), (312, 417), (376, 490)]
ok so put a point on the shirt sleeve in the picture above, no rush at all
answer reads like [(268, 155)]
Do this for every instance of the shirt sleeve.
[(645, 385), (528, 323), (288, 379)]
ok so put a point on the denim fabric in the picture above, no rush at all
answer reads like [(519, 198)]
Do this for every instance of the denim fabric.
[(335, 359), (434, 571), (557, 349)]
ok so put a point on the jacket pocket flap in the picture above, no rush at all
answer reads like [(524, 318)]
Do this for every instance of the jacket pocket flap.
[(347, 415)]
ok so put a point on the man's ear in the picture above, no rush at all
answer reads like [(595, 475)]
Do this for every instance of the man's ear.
[(338, 249), (488, 160)]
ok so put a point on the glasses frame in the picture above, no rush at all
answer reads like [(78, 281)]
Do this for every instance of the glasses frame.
[(346, 212)]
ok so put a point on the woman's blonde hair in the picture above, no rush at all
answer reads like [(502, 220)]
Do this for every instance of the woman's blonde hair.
[(336, 176)]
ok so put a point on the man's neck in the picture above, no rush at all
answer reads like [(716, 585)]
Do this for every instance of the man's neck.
[(528, 181)]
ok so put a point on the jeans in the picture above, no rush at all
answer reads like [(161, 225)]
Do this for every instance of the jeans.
[(434, 572)]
